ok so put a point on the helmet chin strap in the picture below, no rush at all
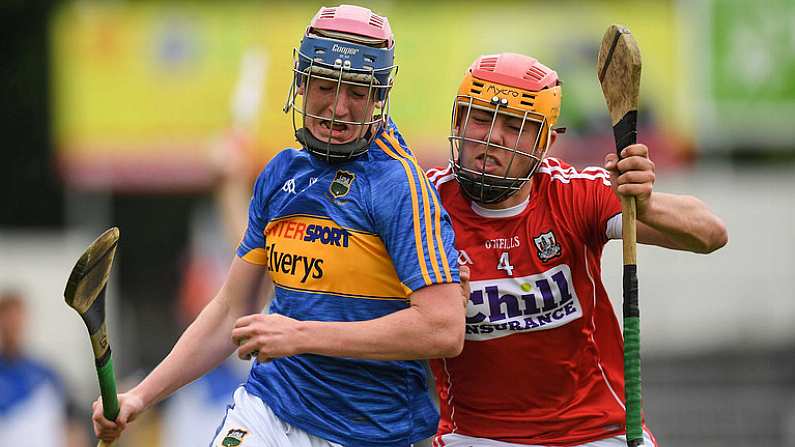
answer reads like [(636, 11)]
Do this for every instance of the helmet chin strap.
[(331, 153), (488, 190)]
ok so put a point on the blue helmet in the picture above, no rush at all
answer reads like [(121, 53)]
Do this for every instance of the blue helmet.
[(347, 46)]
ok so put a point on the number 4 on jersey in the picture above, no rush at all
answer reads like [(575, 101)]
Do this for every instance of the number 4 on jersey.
[(505, 264)]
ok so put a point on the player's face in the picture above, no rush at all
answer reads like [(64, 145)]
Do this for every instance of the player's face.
[(516, 141), (354, 104), (12, 321)]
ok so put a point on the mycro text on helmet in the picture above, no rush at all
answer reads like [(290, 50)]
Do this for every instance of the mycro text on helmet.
[(501, 91)]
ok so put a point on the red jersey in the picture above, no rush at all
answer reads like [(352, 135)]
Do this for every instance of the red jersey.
[(543, 358)]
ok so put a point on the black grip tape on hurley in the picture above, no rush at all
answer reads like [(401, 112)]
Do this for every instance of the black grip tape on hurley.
[(631, 308), (626, 131)]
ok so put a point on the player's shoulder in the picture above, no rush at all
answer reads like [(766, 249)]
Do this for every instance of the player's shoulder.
[(284, 164), (282, 160), (440, 175), (558, 173), (289, 155), (442, 178)]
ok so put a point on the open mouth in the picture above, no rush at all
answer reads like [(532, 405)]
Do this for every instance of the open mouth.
[(488, 162), (336, 128)]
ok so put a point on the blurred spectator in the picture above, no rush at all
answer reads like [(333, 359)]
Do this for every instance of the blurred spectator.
[(32, 400), (191, 415)]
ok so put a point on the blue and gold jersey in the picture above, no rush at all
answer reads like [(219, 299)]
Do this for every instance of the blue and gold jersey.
[(348, 242)]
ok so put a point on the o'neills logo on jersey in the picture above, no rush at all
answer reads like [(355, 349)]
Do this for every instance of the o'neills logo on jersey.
[(295, 265), (503, 243), (502, 307)]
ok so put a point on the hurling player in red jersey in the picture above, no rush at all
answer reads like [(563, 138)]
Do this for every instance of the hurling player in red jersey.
[(542, 364)]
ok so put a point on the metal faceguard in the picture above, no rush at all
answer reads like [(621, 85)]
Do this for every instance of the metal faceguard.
[(511, 85), (476, 183), (341, 62)]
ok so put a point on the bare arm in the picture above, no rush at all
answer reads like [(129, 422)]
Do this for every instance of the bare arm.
[(667, 220), (681, 222), (432, 327), (203, 345)]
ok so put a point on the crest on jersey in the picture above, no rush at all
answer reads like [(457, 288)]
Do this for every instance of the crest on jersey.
[(547, 246), (341, 185), (234, 437)]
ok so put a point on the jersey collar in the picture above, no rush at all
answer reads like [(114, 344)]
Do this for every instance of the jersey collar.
[(501, 213)]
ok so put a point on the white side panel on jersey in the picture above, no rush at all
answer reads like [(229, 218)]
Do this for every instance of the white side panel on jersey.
[(501, 307), (614, 227)]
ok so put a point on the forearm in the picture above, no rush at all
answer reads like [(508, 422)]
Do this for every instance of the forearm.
[(204, 345), (413, 333), (398, 336), (682, 222)]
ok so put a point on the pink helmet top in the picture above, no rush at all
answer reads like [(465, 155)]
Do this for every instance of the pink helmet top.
[(353, 20), (515, 70)]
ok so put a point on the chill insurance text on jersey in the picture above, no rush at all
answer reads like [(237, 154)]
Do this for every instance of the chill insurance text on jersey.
[(535, 305), (522, 261)]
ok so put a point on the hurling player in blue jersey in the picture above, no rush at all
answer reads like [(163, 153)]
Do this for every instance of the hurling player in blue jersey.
[(361, 255), (33, 402)]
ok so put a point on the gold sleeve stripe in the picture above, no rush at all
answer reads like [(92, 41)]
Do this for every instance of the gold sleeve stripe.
[(437, 213), (425, 202), (256, 256), (428, 191), (438, 225), (415, 210)]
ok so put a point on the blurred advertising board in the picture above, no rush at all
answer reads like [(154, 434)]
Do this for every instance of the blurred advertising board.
[(743, 62), (143, 89)]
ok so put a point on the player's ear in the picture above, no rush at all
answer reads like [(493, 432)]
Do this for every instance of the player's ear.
[(553, 137), (457, 127)]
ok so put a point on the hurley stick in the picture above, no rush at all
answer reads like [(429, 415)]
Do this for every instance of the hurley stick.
[(618, 68), (85, 293)]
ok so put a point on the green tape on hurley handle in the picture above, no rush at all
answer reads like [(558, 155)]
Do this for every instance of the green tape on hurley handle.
[(107, 387), (632, 387)]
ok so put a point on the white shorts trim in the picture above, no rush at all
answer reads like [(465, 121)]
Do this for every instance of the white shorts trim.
[(254, 424), (456, 440)]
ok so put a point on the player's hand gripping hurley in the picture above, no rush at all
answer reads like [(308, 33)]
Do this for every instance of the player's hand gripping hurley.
[(85, 293), (618, 68)]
